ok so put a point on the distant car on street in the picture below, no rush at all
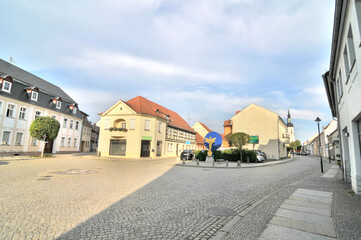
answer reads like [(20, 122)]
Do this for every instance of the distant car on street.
[(187, 154)]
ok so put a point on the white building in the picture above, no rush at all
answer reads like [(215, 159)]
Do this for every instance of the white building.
[(343, 86), (24, 97)]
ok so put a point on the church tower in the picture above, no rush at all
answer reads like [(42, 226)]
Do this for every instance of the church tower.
[(290, 127)]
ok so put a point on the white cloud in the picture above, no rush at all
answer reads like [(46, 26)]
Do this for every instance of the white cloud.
[(110, 62)]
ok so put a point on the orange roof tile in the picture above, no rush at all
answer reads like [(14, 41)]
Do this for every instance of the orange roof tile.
[(144, 106), (199, 138)]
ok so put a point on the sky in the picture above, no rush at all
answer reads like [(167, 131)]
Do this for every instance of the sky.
[(204, 59)]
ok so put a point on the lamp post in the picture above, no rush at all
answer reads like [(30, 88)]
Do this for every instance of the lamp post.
[(318, 120)]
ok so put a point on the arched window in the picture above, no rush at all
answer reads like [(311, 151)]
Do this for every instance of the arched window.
[(120, 123)]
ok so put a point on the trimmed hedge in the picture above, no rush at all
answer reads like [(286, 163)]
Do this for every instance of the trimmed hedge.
[(231, 155)]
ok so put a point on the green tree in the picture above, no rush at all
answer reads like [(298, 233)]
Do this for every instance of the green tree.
[(44, 129), (238, 140), (295, 145)]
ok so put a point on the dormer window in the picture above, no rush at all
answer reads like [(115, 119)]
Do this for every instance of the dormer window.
[(33, 93), (73, 108), (56, 102), (34, 96), (6, 83)]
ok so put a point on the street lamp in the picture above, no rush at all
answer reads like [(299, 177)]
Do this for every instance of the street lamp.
[(318, 120)]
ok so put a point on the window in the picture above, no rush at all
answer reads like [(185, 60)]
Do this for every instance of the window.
[(62, 143), (132, 124), (340, 86), (71, 124), (58, 104), (34, 96), (10, 110), (53, 116), (22, 113), (65, 123), (147, 125), (74, 110), (5, 140), (345, 61), (160, 127), (19, 139), (351, 47), (1, 107), (6, 86), (37, 114), (69, 142), (34, 142), (76, 125), (124, 125), (359, 132), (75, 143)]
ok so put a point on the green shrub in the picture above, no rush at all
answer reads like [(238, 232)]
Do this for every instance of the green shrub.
[(233, 155), (217, 155), (201, 155)]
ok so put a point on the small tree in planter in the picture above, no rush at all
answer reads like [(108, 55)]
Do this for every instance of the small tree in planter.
[(44, 129), (238, 140)]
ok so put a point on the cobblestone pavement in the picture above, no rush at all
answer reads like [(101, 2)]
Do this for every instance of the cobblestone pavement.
[(88, 198)]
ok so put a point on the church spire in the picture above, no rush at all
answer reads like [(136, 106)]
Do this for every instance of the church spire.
[(289, 120)]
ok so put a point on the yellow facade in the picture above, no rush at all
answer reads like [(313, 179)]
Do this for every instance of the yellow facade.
[(198, 127), (139, 134), (271, 129)]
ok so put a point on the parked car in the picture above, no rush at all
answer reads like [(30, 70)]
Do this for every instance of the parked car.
[(187, 154), (263, 154), (260, 158)]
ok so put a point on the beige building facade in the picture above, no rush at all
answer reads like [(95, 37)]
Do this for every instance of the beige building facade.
[(271, 130), (142, 128)]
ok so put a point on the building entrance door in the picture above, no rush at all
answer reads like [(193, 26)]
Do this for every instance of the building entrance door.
[(49, 147), (145, 148), (159, 148)]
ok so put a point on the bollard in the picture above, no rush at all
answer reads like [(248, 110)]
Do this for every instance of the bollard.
[(238, 163), (226, 163), (197, 162), (213, 162), (184, 162), (247, 159)]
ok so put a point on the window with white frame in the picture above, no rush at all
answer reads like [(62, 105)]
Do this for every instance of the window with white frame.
[(351, 48), (132, 124), (10, 110), (6, 138), (19, 138), (53, 116), (22, 113), (34, 95), (6, 86), (1, 107), (76, 125), (340, 86), (147, 125), (124, 125), (69, 142), (62, 143), (58, 104), (75, 142), (74, 110), (37, 114), (34, 142), (71, 124), (65, 123), (345, 61)]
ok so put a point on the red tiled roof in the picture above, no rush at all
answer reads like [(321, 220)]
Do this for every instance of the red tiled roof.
[(144, 106), (199, 138), (209, 130)]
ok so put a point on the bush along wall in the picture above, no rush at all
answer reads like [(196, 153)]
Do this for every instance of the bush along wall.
[(231, 155)]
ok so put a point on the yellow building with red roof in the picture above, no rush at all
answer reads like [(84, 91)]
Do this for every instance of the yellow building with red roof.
[(142, 128)]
